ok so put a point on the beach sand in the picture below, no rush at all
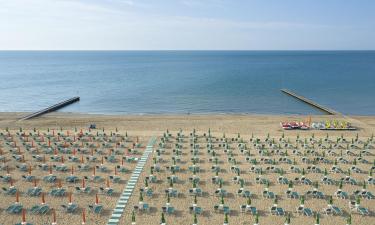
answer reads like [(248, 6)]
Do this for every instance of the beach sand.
[(147, 126)]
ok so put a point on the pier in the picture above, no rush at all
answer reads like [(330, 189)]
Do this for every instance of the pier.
[(310, 102), (51, 108)]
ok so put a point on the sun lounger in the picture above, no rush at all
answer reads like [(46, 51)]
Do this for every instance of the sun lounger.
[(244, 193), (363, 211), (307, 212), (41, 209), (195, 209), (83, 167), (222, 208), (15, 208), (50, 179), (277, 211), (34, 192), (106, 191), (57, 192), (168, 209), (292, 194), (70, 208), (6, 178), (268, 194), (248, 209), (9, 191), (195, 191), (97, 209), (115, 179), (220, 192)]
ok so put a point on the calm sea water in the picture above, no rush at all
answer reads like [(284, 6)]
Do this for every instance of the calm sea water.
[(169, 82)]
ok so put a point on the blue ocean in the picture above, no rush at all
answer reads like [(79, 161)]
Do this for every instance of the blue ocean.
[(188, 82)]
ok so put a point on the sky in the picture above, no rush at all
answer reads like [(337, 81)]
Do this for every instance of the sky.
[(187, 24)]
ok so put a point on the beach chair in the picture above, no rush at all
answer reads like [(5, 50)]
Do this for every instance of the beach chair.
[(122, 169), (56, 158), (152, 179), (216, 180), (371, 180), (222, 208), (18, 158), (248, 209), (83, 190), (315, 194), (195, 191), (74, 159), (50, 179), (194, 179), (58, 192), (268, 194), (282, 180), (94, 178), (111, 159), (22, 167), (9, 191), (243, 193), (194, 169), (15, 208), (215, 168), (238, 180), (102, 168), (328, 181), (83, 167), (274, 210), (6, 178), (307, 212), (71, 179), (42, 209), (28, 178), (363, 211), (43, 167), (367, 195), (106, 191), (60, 168), (220, 192), (34, 192), (195, 210), (96, 208), (70, 208), (337, 211), (292, 194), (306, 181), (172, 178), (144, 207), (171, 192), (260, 180), (115, 179), (168, 209), (341, 194), (174, 168), (147, 191)]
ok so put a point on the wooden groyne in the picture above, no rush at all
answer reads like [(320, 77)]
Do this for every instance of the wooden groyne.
[(51, 108), (310, 102)]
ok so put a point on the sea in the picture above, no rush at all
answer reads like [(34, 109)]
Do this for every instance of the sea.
[(188, 82)]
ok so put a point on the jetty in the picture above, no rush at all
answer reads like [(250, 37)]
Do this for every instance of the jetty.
[(310, 102), (51, 108)]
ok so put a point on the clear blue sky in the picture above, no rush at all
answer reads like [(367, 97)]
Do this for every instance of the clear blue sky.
[(187, 24)]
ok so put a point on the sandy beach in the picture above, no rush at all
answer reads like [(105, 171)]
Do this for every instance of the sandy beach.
[(156, 124), (146, 126)]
